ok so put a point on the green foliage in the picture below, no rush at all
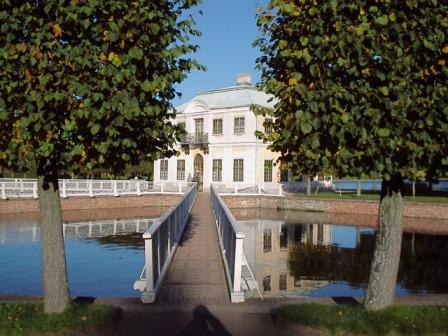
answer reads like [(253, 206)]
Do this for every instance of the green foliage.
[(348, 320), (29, 318), (88, 84), (361, 86)]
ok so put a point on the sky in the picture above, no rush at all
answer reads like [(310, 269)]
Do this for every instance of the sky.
[(228, 30)]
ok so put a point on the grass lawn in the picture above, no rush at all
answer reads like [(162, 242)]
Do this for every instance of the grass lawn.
[(371, 197), (29, 318), (354, 320)]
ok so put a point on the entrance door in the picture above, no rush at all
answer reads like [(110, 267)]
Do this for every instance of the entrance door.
[(199, 170), (199, 123)]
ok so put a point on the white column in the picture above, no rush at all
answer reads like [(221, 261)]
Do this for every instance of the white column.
[(161, 187), (280, 189), (180, 188)]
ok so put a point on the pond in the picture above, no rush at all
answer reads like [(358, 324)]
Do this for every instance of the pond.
[(104, 257), (293, 253)]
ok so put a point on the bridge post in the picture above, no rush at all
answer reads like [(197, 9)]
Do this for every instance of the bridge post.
[(237, 294), (148, 296)]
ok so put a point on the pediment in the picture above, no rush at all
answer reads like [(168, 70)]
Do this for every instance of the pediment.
[(196, 106)]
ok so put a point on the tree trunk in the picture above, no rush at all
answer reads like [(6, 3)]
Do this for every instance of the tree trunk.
[(358, 188), (413, 189), (56, 294), (308, 185), (386, 257)]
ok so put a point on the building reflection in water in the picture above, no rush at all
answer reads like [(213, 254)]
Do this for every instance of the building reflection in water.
[(266, 245), (290, 259)]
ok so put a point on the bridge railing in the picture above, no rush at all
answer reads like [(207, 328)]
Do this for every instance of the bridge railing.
[(161, 241), (231, 243), (27, 188)]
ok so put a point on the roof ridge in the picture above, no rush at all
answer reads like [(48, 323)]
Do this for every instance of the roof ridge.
[(229, 88)]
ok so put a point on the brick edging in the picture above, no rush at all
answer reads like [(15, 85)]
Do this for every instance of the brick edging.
[(367, 207), (92, 203)]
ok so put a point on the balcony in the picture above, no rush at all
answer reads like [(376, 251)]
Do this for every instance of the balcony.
[(195, 140)]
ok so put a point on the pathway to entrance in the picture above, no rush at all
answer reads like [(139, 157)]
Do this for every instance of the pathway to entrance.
[(196, 275)]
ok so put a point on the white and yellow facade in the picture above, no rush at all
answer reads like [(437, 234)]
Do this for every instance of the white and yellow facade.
[(221, 146)]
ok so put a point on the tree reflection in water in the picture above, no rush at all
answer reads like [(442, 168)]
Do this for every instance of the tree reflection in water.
[(423, 264)]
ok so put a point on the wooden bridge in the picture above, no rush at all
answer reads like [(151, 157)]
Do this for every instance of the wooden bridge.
[(193, 253)]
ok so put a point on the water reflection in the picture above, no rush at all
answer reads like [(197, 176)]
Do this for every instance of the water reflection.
[(103, 256), (293, 259)]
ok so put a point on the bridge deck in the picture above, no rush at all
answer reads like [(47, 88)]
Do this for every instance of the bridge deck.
[(197, 273)]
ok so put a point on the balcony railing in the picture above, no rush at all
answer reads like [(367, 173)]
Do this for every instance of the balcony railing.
[(195, 138)]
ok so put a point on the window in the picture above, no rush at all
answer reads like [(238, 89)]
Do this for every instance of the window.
[(181, 169), (238, 127), (268, 126), (282, 281), (164, 169), (298, 233), (268, 170), (217, 126), (238, 170), (284, 238), (267, 240), (267, 283), (217, 170)]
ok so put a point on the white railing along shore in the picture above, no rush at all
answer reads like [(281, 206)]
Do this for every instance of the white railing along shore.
[(161, 241), (27, 188), (231, 243), (266, 189)]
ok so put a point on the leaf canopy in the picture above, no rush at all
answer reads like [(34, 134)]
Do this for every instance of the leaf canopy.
[(88, 84), (362, 87)]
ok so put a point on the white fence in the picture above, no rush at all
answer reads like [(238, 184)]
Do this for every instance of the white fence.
[(267, 189), (231, 243), (27, 188), (161, 240)]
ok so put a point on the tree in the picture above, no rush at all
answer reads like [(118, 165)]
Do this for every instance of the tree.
[(362, 89), (87, 84)]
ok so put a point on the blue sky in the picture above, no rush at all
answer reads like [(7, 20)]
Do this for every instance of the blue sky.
[(228, 30)]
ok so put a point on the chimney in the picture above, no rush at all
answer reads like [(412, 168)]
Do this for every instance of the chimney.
[(243, 79)]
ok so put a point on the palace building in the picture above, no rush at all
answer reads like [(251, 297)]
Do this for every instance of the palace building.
[(220, 145)]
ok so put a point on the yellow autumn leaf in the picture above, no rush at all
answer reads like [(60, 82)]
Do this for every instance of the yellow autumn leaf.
[(365, 71), (57, 31), (292, 82), (445, 49), (103, 57), (111, 57), (122, 44)]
